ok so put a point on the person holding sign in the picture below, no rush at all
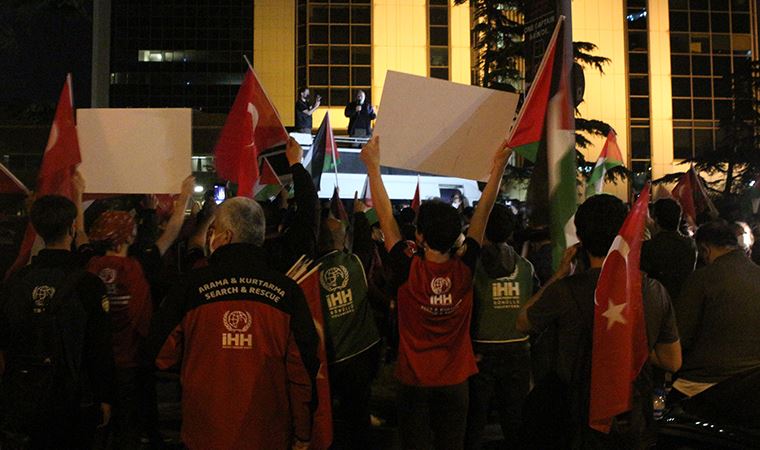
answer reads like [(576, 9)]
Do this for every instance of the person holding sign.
[(435, 297)]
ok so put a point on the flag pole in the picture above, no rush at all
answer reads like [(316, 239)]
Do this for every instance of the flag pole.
[(248, 62)]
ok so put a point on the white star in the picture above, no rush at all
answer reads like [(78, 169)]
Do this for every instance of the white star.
[(614, 313)]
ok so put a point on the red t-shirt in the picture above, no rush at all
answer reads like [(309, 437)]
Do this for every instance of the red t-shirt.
[(130, 304), (434, 311)]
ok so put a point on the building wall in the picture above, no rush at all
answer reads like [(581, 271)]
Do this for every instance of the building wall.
[(274, 53), (661, 102), (601, 22)]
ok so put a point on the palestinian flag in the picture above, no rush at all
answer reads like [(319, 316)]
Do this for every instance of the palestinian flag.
[(323, 154), (552, 190), (609, 157), (528, 129), (337, 209), (268, 185)]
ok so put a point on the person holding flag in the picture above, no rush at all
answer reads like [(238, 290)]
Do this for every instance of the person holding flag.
[(435, 298), (599, 312)]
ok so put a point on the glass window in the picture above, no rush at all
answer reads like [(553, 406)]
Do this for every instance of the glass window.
[(361, 34), (640, 143), (719, 5), (318, 76), (318, 54), (439, 57), (339, 34), (679, 4), (339, 14), (699, 21), (361, 55), (439, 72), (339, 96), (680, 65), (740, 5), (681, 87), (701, 87), (721, 44), (639, 85), (681, 109), (360, 14), (638, 63), (721, 65), (742, 43), (699, 43), (679, 21), (700, 65), (339, 76), (439, 36), (720, 22), (318, 14), (703, 141), (318, 34), (699, 4), (722, 109), (339, 54), (361, 76), (682, 143), (740, 23), (679, 43), (438, 16), (702, 109), (637, 41), (640, 107), (722, 87)]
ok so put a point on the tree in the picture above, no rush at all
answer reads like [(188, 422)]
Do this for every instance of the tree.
[(736, 154)]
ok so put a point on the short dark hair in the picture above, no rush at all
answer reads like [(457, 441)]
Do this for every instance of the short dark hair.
[(501, 224), (717, 233), (302, 89), (598, 221), (667, 213), (52, 217), (406, 215), (439, 224)]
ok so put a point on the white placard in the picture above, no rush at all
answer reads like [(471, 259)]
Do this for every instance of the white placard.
[(440, 127), (135, 151)]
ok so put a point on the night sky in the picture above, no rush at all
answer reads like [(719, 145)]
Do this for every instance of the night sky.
[(38, 46)]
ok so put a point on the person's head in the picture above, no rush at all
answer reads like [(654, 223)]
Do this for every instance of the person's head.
[(303, 93), (406, 216), (237, 220), (744, 236), (456, 198), (117, 228), (53, 218), (360, 96), (667, 214), (715, 239), (438, 226), (598, 221), (501, 224), (332, 234)]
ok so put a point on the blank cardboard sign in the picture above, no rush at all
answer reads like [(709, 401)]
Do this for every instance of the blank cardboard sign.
[(440, 127), (135, 151)]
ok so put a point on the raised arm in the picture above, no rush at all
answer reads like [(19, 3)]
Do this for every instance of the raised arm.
[(371, 157), (178, 217), (487, 199)]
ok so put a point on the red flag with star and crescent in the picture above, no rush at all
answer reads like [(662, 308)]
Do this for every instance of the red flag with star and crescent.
[(252, 126), (619, 342), (59, 162)]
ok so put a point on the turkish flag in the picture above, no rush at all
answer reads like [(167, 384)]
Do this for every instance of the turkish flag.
[(59, 162), (416, 199), (619, 341), (321, 432), (692, 195), (252, 126)]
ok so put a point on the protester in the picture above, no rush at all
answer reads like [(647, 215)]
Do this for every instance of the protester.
[(559, 406), (305, 110), (718, 314), (459, 201), (360, 116), (297, 232), (669, 256), (55, 336), (504, 281), (245, 340), (131, 308), (351, 334), (434, 291)]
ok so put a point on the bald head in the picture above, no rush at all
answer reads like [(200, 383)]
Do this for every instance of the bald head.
[(243, 218)]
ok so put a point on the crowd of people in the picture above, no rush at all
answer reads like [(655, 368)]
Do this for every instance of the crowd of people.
[(462, 301)]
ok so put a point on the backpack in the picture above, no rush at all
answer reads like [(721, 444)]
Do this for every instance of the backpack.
[(42, 311)]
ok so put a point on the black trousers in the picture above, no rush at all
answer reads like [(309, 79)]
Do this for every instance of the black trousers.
[(503, 381), (433, 417), (351, 389)]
